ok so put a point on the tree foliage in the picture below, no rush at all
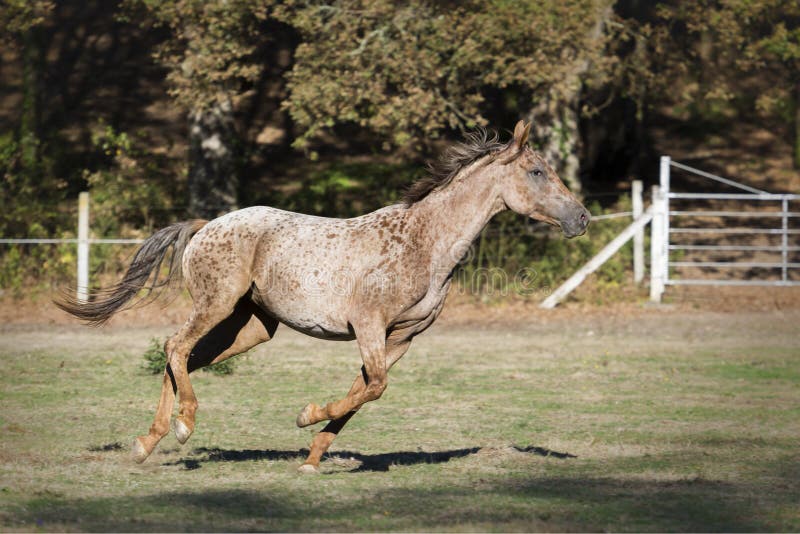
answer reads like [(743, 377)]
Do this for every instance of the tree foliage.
[(19, 16), (211, 49), (736, 49), (211, 57), (360, 78), (26, 170), (409, 71)]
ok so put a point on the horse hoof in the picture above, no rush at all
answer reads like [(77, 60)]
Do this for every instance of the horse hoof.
[(304, 417), (182, 432), (308, 469), (140, 453)]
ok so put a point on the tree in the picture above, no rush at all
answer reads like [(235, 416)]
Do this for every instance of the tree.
[(555, 114), (748, 50), (25, 180), (413, 70), (211, 56)]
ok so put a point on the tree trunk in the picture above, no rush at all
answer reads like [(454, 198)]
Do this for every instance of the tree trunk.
[(213, 180), (555, 117), (31, 109), (796, 151)]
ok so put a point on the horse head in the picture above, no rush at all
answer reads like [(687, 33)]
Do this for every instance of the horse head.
[(531, 187)]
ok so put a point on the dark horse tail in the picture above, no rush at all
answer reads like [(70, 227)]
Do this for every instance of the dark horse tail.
[(148, 260)]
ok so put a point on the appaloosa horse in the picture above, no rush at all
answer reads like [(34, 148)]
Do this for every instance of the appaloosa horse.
[(380, 279)]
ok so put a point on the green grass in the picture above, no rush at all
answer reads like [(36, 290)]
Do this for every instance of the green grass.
[(599, 423)]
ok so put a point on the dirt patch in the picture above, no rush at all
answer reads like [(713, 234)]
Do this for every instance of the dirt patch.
[(594, 303), (463, 309), (41, 310)]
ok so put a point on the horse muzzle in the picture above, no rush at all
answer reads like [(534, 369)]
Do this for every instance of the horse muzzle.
[(577, 224)]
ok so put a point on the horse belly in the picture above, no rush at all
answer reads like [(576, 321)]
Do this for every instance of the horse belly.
[(312, 314)]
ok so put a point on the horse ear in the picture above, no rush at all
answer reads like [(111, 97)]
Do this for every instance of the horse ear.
[(521, 133)]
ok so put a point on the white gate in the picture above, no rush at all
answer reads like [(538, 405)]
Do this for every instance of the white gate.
[(722, 238)]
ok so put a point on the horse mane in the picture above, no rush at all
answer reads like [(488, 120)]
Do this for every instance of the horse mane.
[(476, 145)]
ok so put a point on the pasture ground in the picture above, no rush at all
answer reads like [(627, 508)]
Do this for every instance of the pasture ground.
[(651, 419)]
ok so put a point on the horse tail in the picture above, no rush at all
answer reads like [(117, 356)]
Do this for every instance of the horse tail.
[(105, 302)]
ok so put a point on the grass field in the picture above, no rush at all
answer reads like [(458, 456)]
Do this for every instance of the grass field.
[(658, 421)]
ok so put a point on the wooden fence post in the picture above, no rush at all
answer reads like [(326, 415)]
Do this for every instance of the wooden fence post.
[(82, 292), (638, 237), (656, 248)]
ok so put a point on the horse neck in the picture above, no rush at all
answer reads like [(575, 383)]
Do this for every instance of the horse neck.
[(455, 215)]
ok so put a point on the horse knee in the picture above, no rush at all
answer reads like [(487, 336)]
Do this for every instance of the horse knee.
[(175, 356), (375, 389)]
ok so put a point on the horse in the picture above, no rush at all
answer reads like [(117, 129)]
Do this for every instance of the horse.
[(380, 278)]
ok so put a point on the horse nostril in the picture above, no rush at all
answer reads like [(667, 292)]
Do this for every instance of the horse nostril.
[(583, 219)]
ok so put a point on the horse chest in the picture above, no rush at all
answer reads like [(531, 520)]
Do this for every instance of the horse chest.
[(422, 314)]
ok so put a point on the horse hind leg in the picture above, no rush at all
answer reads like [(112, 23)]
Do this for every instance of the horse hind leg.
[(178, 349), (245, 328), (144, 445)]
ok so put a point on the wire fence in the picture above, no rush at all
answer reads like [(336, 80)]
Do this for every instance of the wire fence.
[(90, 265), (696, 238)]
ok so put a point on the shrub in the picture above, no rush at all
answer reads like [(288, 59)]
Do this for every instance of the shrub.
[(156, 360)]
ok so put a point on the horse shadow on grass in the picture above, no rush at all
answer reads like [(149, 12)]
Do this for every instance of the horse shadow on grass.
[(613, 494), (359, 462)]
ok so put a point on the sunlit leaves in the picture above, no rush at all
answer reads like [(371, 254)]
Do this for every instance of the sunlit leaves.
[(408, 71)]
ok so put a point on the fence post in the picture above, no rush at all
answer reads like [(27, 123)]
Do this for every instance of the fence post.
[(82, 292), (785, 239), (663, 173), (664, 179), (656, 238), (638, 237)]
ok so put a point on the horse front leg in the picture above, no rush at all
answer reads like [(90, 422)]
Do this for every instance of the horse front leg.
[(323, 440), (372, 344)]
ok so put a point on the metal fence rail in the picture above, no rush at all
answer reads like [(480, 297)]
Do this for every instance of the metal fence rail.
[(769, 214)]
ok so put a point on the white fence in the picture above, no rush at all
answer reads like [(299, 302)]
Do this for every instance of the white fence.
[(762, 248), (83, 241), (634, 231), (663, 245)]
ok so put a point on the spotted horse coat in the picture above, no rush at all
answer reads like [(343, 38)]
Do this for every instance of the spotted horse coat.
[(380, 278)]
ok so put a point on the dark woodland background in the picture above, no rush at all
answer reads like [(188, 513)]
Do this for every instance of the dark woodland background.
[(171, 109)]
